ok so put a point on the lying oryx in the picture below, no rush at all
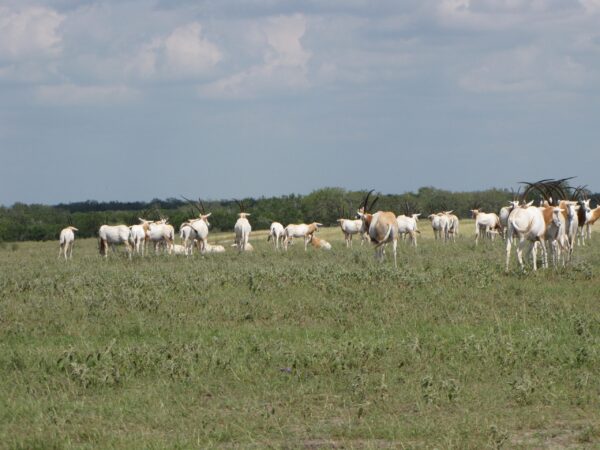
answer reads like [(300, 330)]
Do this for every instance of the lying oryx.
[(315, 242)]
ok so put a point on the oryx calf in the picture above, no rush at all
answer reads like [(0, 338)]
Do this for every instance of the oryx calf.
[(276, 232), (66, 241)]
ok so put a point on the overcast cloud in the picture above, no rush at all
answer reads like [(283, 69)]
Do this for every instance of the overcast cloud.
[(132, 100)]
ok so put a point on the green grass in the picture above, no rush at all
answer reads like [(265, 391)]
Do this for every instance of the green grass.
[(298, 350)]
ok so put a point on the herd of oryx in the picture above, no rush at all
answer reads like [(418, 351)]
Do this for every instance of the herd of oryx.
[(556, 225)]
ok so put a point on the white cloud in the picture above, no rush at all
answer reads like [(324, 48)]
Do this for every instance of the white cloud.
[(29, 32), (71, 94), (183, 53), (284, 65)]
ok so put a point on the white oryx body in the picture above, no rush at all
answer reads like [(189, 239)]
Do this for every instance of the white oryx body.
[(138, 235), (570, 213), (276, 232), (556, 233), (200, 227), (210, 248), (301, 230), (161, 232), (383, 229), (242, 230), (350, 227), (439, 224), (66, 241), (187, 235), (407, 226), (111, 235), (484, 223), (453, 225), (527, 223), (179, 249)]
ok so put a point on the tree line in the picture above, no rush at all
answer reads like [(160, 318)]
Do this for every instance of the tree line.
[(22, 222)]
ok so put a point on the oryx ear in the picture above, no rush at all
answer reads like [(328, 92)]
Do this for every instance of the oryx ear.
[(208, 215), (529, 204), (248, 214), (319, 225)]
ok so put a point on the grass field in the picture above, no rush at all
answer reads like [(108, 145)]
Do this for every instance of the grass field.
[(298, 350)]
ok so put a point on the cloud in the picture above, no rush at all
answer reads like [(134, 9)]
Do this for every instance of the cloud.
[(71, 94), (29, 32), (524, 69), (284, 65), (183, 53)]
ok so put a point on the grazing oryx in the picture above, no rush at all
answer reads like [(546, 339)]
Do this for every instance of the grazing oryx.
[(161, 232), (138, 234), (351, 227), (439, 224), (486, 223), (527, 223), (110, 235), (315, 242), (242, 229), (300, 230), (407, 226), (276, 232), (66, 241), (382, 228)]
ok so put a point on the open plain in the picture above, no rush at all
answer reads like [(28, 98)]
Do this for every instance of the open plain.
[(300, 349)]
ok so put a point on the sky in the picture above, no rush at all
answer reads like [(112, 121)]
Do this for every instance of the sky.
[(140, 99)]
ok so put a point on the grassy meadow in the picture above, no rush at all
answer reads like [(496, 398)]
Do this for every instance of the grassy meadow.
[(299, 349)]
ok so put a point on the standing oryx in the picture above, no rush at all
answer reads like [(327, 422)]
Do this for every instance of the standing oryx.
[(382, 228), (276, 232), (439, 224), (301, 230), (407, 226), (110, 235), (161, 232), (66, 241), (453, 225), (351, 227), (199, 227), (138, 235), (242, 229), (486, 223), (527, 223)]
